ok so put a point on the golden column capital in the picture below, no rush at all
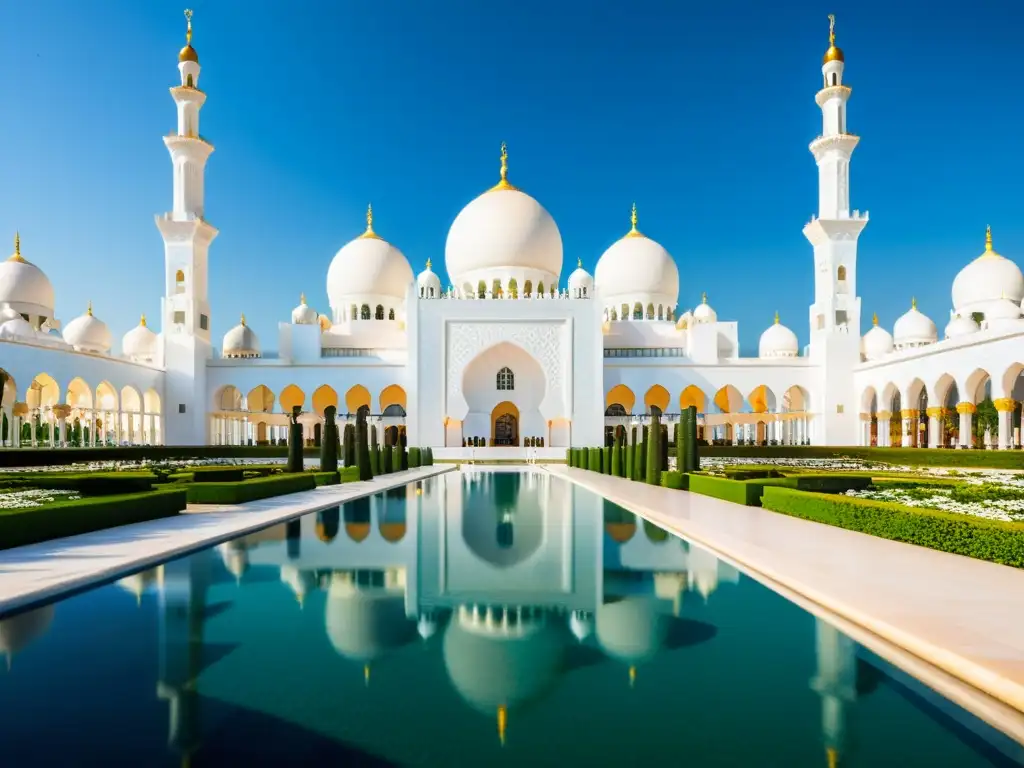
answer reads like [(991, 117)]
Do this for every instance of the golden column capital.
[(1004, 404), (909, 413), (966, 408), (935, 412), (883, 415)]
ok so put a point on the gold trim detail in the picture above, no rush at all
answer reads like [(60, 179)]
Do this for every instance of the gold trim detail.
[(633, 231), (935, 412), (909, 413), (1005, 404), (16, 256), (504, 182), (369, 233), (966, 408)]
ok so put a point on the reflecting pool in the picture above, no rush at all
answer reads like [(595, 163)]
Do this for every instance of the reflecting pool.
[(475, 619)]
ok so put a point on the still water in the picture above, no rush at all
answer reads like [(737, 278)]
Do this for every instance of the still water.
[(476, 619)]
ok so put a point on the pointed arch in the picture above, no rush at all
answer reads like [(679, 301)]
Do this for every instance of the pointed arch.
[(131, 400), (151, 401), (43, 392), (692, 395), (79, 394), (290, 397), (656, 397), (323, 396), (728, 399), (761, 399), (106, 396), (357, 397), (974, 386), (622, 395), (796, 399), (227, 398), (392, 394), (260, 399)]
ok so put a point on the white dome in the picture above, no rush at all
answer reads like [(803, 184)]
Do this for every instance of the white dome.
[(704, 313), (24, 286), (17, 329), (1002, 309), (985, 280), (240, 341), (778, 341), (304, 314), (581, 284), (368, 266), (87, 333), (503, 229), (428, 284), (631, 630), (363, 624), (877, 342), (960, 326), (9, 313), (637, 269), (140, 343), (685, 320), (914, 329)]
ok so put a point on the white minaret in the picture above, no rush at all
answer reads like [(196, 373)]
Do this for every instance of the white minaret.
[(835, 313), (187, 237)]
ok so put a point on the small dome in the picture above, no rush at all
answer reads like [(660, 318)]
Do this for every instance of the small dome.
[(704, 313), (631, 630), (685, 320), (428, 284), (834, 53), (140, 343), (581, 624), (24, 286), (367, 266), (504, 228), (1002, 309), (877, 343), (363, 624), (581, 284), (188, 53), (778, 341), (304, 314), (240, 341), (637, 269), (960, 326), (17, 329), (87, 333), (985, 280), (914, 329)]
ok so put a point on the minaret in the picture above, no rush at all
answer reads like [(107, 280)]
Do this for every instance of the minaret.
[(835, 313), (187, 237), (836, 684)]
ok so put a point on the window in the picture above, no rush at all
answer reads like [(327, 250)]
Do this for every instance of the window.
[(638, 311), (189, 82), (839, 408), (179, 318), (379, 314), (528, 288), (821, 322), (841, 273), (355, 312), (204, 322), (506, 379), (179, 282), (391, 313), (841, 318), (835, 80), (181, 407), (364, 313), (615, 315)]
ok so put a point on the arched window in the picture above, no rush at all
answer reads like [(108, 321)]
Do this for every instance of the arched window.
[(422, 292), (528, 288), (391, 314), (481, 289), (834, 80), (513, 288), (584, 291), (625, 311), (615, 409), (189, 82), (540, 288), (364, 313), (661, 312), (638, 311), (354, 313), (379, 314), (179, 282), (615, 315), (841, 273), (506, 379), (496, 289), (671, 314), (431, 291), (650, 311)]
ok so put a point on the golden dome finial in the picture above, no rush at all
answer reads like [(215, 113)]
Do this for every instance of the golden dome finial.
[(632, 676), (16, 256), (243, 318), (366, 675), (913, 302), (988, 239), (188, 53), (874, 319), (834, 53), (704, 298), (142, 321), (88, 309), (302, 299), (429, 265), (188, 29), (502, 723), (776, 317), (369, 233), (579, 263), (633, 231), (832, 756), (503, 183)]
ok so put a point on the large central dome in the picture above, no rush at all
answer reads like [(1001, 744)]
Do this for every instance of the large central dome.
[(503, 230)]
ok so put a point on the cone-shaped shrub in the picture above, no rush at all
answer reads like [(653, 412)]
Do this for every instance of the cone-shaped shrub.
[(375, 460), (387, 457), (606, 460), (295, 441), (414, 457), (638, 461), (329, 442), (653, 469), (594, 464), (363, 447), (629, 454), (692, 449), (663, 447), (428, 457), (349, 446), (681, 442), (617, 460)]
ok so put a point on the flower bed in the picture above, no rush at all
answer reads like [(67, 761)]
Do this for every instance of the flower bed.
[(151, 464), (970, 496), (34, 497)]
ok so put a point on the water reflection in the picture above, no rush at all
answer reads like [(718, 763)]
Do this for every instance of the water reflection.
[(493, 596)]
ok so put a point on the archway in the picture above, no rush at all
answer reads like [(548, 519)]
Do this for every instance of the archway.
[(483, 395), (620, 395), (227, 398), (692, 395), (505, 424), (656, 400), (393, 395), (727, 400), (260, 399), (762, 400), (357, 397), (290, 397), (323, 397)]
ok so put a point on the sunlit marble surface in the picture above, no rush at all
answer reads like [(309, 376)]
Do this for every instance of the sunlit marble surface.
[(960, 614), (40, 571)]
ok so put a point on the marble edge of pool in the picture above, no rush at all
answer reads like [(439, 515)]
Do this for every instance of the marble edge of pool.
[(49, 570), (920, 616)]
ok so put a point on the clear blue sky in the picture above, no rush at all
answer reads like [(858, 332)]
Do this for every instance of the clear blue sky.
[(700, 112)]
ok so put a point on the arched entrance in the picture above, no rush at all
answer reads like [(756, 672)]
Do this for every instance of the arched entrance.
[(505, 424)]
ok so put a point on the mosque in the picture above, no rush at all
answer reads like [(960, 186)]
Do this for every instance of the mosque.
[(511, 357)]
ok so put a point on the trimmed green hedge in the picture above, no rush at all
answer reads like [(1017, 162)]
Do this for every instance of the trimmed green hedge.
[(326, 478), (737, 491), (19, 527), (976, 537), (250, 490), (928, 457), (678, 481), (42, 457), (87, 484), (414, 458), (349, 475), (218, 474)]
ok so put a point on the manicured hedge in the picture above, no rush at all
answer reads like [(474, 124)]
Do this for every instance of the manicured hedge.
[(218, 474), (349, 475), (737, 491), (42, 457), (68, 518), (976, 537), (326, 478), (88, 484), (414, 458), (933, 457), (250, 490), (678, 481)]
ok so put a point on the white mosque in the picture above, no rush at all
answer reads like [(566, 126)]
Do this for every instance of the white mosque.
[(510, 357)]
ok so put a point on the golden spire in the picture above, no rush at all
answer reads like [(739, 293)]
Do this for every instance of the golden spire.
[(833, 757), (504, 182), (776, 317), (632, 676), (502, 723), (366, 675), (243, 318), (704, 298), (874, 319), (88, 309), (990, 252), (834, 53), (188, 53), (142, 321), (428, 263), (913, 302), (302, 299), (633, 232), (369, 233), (16, 256), (579, 263)]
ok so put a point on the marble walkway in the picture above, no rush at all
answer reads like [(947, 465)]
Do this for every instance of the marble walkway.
[(964, 616), (38, 572)]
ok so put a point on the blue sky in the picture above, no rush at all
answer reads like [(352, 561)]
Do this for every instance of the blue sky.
[(701, 113)]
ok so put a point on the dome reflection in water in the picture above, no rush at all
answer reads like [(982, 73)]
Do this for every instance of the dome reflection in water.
[(502, 618)]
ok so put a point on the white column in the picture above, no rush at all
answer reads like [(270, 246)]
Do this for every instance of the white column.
[(32, 419), (64, 432), (966, 411), (1005, 420)]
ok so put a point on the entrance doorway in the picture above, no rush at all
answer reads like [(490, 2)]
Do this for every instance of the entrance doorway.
[(505, 424)]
